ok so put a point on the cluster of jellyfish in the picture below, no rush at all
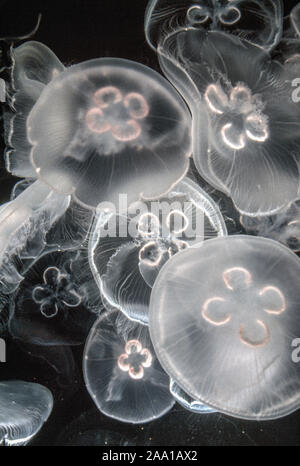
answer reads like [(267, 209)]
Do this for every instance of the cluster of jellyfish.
[(171, 302)]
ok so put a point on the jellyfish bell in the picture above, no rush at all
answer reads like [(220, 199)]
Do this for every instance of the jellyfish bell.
[(25, 406), (34, 66), (118, 126), (126, 251), (122, 373), (237, 118), (230, 308), (259, 21)]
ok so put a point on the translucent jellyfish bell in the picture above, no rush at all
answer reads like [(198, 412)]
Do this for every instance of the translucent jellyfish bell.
[(126, 252), (24, 224), (259, 21), (34, 66), (122, 373), (245, 130), (24, 407), (223, 318), (118, 127)]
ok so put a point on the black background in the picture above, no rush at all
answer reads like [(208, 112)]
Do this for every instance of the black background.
[(77, 31)]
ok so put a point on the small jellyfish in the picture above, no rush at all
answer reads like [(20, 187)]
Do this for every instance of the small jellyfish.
[(118, 127), (49, 307), (258, 21), (188, 402), (246, 125), (223, 318), (24, 407), (122, 373), (24, 224), (283, 227), (126, 252)]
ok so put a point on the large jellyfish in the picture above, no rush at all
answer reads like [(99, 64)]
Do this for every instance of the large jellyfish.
[(49, 307), (24, 407), (122, 373), (100, 128), (259, 21), (24, 224), (126, 252), (246, 138), (223, 318)]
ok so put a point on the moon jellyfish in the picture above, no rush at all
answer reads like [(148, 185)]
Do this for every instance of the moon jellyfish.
[(49, 308), (126, 252), (258, 21), (24, 407), (118, 127), (223, 318), (122, 373), (34, 66), (70, 230), (246, 125), (187, 402), (283, 227), (24, 223)]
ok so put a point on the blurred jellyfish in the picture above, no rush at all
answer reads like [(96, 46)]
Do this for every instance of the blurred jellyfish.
[(126, 252), (122, 373), (222, 320), (258, 21), (34, 66), (70, 230), (188, 402), (24, 224), (24, 407), (118, 126), (246, 125), (283, 227), (49, 307)]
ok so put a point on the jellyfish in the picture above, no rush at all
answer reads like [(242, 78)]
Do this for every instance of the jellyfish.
[(34, 66), (70, 231), (223, 317), (283, 227), (24, 224), (188, 402), (122, 373), (258, 21), (126, 252), (49, 307), (245, 122), (118, 127), (25, 406)]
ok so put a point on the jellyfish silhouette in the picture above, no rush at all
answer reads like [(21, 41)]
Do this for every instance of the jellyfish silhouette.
[(49, 307), (222, 321), (126, 252), (118, 127), (259, 21), (25, 406), (246, 125), (122, 373), (24, 224)]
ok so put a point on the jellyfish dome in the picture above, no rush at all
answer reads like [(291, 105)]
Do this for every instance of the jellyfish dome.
[(126, 252), (100, 128), (246, 139), (24, 407), (122, 373), (259, 21), (223, 318)]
